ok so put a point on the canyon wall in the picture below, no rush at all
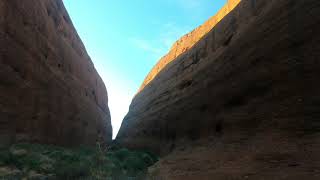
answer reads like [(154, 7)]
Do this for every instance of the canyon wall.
[(242, 103), (189, 40), (50, 91)]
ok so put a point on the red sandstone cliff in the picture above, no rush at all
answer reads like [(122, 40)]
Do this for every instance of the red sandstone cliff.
[(188, 41), (242, 102), (50, 91)]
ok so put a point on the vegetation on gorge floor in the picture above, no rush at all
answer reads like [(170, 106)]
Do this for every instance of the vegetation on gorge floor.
[(34, 161)]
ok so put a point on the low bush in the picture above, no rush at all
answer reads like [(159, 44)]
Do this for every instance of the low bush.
[(80, 163)]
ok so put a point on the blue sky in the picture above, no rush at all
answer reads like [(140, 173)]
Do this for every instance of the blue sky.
[(125, 39)]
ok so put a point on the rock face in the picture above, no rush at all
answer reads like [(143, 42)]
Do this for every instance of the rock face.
[(242, 103), (50, 90), (188, 41)]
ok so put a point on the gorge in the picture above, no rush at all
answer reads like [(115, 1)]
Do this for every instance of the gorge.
[(236, 98)]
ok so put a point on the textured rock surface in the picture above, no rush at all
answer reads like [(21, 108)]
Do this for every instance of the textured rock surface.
[(50, 91), (189, 40), (243, 103)]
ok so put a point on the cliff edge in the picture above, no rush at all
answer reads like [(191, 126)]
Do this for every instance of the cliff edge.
[(189, 40)]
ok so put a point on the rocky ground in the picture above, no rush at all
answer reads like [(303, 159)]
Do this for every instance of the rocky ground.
[(289, 158)]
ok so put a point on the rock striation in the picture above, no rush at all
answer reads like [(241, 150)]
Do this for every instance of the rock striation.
[(240, 102), (50, 91)]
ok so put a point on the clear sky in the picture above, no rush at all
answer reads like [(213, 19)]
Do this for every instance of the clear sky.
[(125, 39)]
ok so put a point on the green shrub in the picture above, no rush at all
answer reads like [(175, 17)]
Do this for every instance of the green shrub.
[(4, 157), (80, 163), (122, 154), (72, 170)]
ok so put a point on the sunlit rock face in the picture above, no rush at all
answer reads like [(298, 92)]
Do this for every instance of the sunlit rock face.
[(242, 103), (50, 91), (188, 41)]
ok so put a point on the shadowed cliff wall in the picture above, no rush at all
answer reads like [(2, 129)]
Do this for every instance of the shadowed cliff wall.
[(50, 91), (255, 72)]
